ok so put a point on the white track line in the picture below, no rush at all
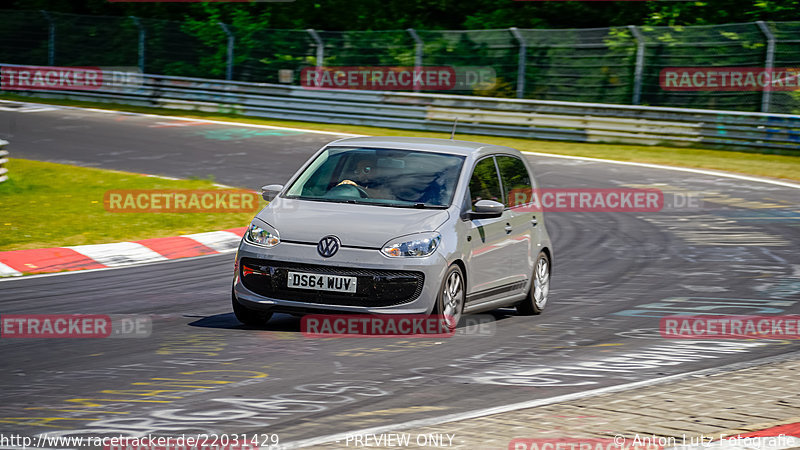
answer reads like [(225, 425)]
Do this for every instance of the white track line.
[(6, 271), (547, 155), (79, 272), (487, 411), (419, 423), (219, 241), (675, 168), (118, 253), (190, 119)]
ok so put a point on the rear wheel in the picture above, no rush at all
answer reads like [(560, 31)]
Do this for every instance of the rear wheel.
[(248, 316), (540, 288), (450, 301)]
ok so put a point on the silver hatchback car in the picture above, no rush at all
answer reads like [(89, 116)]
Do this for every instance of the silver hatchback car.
[(390, 225)]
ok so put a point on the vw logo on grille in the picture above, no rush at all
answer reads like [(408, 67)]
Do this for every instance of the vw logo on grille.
[(328, 246)]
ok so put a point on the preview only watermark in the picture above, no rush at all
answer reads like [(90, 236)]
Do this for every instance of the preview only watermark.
[(181, 201), (398, 440), (730, 327), (66, 326), (729, 79)]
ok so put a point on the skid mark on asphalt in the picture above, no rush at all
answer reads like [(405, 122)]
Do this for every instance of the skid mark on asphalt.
[(400, 346), (705, 229), (177, 124), (396, 411), (711, 196), (722, 306), (232, 134), (240, 413), (191, 368)]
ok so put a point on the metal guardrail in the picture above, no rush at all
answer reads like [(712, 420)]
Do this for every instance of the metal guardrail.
[(534, 119), (619, 64), (3, 160)]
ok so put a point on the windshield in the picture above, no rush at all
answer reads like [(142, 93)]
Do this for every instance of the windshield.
[(382, 177)]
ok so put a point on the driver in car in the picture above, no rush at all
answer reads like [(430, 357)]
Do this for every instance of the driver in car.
[(361, 175)]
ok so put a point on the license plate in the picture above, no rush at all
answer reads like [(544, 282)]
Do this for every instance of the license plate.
[(320, 282)]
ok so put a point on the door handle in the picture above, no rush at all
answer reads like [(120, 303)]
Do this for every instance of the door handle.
[(508, 228), (534, 222)]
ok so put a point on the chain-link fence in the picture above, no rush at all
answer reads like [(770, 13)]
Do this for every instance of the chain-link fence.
[(621, 65)]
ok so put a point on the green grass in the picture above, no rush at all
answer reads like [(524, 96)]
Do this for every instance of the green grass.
[(765, 165), (48, 205)]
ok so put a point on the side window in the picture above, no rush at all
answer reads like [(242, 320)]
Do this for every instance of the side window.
[(516, 181), (484, 184)]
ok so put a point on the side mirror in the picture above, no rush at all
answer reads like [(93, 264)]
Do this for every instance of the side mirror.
[(271, 191), (487, 209)]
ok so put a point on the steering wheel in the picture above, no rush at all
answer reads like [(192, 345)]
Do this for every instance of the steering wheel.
[(346, 190)]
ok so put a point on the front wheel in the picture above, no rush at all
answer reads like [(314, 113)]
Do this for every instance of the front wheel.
[(540, 288), (450, 301), (248, 316)]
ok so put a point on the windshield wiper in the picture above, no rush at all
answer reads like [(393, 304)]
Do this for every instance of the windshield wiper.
[(419, 206), (352, 201)]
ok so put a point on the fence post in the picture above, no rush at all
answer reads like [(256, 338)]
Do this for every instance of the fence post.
[(51, 45), (231, 43), (417, 54), (523, 56), (138, 24), (766, 94), (320, 47), (639, 70), (3, 160)]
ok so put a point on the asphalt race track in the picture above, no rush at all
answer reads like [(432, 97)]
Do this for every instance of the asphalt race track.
[(734, 251)]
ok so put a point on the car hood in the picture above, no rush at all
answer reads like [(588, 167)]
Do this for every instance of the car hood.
[(354, 225)]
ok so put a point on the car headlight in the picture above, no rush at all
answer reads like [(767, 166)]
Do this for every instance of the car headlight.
[(415, 246), (262, 235)]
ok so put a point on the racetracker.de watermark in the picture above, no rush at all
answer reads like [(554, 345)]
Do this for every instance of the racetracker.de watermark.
[(399, 78), (585, 199), (382, 78), (617, 443), (730, 327), (181, 201), (69, 326), (729, 79), (395, 325), (53, 78)]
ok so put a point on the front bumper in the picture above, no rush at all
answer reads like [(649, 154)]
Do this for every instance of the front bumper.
[(385, 285)]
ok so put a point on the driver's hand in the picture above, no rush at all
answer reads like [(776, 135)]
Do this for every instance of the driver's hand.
[(350, 182)]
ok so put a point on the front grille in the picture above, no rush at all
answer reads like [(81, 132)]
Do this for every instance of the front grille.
[(374, 287)]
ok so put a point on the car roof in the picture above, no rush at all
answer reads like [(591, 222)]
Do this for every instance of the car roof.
[(455, 147)]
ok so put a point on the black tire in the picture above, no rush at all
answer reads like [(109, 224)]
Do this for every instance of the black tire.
[(249, 316), (540, 287), (455, 293)]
